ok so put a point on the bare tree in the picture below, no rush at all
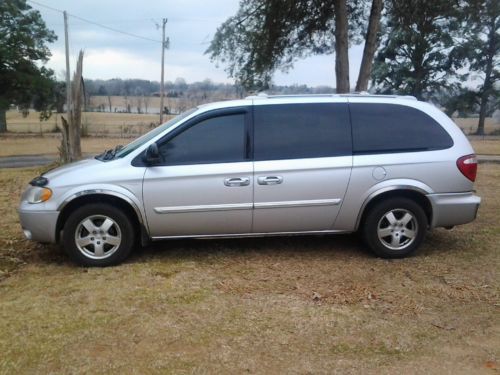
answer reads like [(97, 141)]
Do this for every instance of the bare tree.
[(127, 103), (87, 100), (138, 103), (70, 149), (146, 100)]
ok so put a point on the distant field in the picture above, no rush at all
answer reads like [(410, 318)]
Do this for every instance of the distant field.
[(120, 103), (96, 123), (11, 145), (110, 129), (486, 147), (469, 125), (126, 124), (48, 145)]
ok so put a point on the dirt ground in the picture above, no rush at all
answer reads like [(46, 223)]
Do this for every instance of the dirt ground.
[(271, 305)]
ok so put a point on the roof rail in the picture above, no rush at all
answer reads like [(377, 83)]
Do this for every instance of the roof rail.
[(263, 95)]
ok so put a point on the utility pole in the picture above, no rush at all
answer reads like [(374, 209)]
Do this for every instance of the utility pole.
[(162, 84), (68, 82)]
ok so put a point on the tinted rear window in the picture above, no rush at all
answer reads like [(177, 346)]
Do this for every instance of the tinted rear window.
[(294, 131), (395, 128)]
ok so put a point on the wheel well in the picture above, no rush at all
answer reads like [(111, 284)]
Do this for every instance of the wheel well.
[(97, 198), (417, 197)]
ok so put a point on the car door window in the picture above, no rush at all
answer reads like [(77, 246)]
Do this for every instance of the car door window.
[(295, 131), (218, 139)]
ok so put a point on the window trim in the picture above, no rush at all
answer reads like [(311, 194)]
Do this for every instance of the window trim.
[(245, 110)]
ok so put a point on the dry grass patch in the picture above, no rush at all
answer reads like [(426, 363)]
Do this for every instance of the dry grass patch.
[(270, 305), (95, 123), (48, 145), (486, 146), (469, 125)]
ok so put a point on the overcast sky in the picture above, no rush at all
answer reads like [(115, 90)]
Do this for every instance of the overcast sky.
[(191, 25)]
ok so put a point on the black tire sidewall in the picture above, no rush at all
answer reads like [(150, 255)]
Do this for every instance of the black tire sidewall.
[(370, 226), (123, 221)]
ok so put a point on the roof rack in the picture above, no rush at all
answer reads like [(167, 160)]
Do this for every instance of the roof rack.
[(364, 94)]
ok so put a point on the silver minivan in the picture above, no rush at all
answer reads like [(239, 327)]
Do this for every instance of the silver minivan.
[(391, 167)]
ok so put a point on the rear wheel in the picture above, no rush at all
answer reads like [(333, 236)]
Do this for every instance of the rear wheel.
[(395, 228), (98, 235)]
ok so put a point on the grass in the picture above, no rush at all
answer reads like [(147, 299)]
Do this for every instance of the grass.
[(486, 146), (469, 125), (270, 305), (48, 145)]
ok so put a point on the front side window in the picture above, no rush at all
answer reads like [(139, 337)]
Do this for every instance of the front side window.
[(295, 131), (378, 128), (134, 145), (219, 139)]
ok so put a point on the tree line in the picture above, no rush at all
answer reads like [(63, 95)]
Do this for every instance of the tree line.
[(179, 88)]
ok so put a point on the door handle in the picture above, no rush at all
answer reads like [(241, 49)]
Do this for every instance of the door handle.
[(270, 180), (237, 181)]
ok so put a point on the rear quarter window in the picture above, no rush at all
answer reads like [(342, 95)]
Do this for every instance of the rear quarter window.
[(380, 128)]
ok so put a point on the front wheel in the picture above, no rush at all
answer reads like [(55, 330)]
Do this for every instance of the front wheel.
[(98, 235), (395, 228)]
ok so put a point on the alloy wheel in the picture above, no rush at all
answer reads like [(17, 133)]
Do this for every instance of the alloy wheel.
[(98, 236), (397, 229)]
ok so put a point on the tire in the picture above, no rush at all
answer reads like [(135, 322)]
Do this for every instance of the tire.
[(98, 235), (395, 227)]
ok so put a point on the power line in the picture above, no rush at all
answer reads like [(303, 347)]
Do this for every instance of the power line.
[(113, 29), (97, 24), (45, 6)]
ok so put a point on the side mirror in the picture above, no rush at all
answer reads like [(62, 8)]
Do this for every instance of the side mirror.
[(152, 155)]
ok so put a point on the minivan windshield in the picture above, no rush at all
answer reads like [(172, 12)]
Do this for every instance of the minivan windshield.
[(134, 145)]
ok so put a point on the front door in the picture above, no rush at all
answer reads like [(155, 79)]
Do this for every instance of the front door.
[(204, 183), (303, 161)]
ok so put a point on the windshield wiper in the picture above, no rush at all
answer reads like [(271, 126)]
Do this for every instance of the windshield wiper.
[(109, 154)]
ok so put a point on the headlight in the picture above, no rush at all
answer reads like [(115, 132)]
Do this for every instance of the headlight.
[(38, 194)]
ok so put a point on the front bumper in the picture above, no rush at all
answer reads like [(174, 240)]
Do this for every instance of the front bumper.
[(453, 208), (39, 226)]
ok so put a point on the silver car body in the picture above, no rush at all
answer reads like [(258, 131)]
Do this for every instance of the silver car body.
[(315, 195)]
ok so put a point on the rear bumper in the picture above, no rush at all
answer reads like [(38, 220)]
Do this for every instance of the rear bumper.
[(453, 208), (39, 226)]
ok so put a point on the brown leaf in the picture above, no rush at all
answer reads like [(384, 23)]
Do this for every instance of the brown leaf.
[(316, 296), (490, 364)]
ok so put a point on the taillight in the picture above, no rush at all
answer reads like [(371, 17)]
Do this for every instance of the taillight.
[(468, 166)]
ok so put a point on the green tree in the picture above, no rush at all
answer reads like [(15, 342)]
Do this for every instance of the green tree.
[(23, 45), (482, 52), (462, 100), (267, 35), (416, 55)]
